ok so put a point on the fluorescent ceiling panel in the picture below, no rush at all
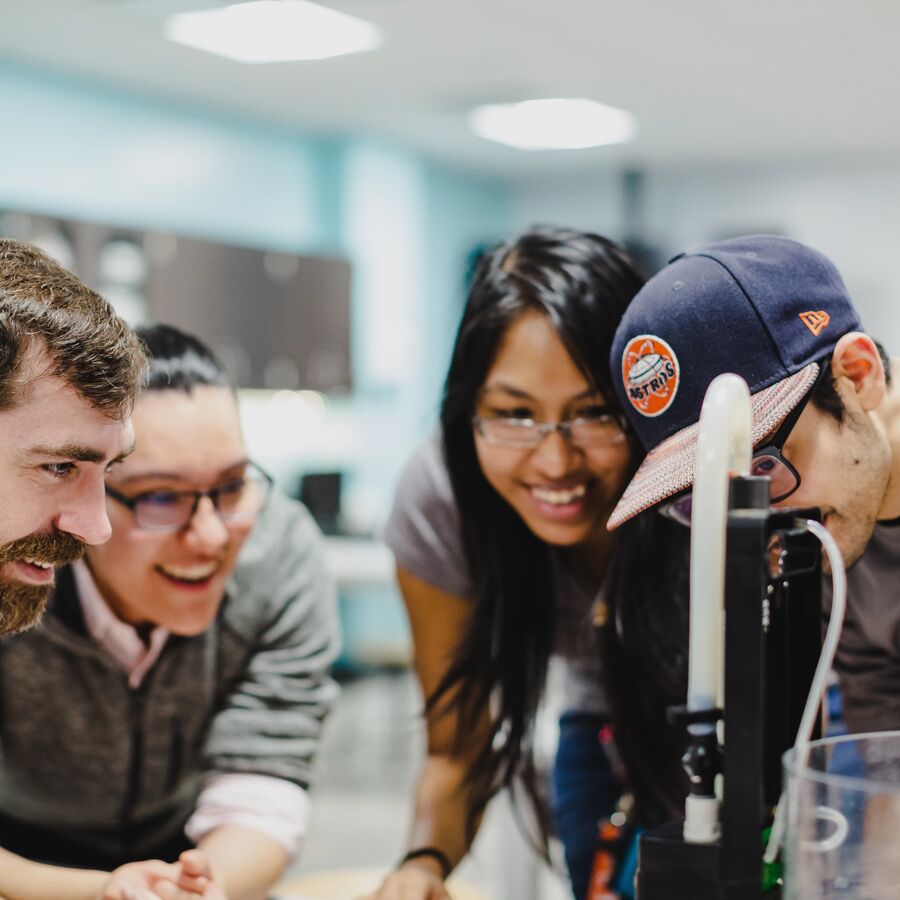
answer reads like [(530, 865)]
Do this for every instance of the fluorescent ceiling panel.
[(268, 31), (554, 124)]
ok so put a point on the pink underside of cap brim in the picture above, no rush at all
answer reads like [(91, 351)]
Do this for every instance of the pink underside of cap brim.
[(669, 468)]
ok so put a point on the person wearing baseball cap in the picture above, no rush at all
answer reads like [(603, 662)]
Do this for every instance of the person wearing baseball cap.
[(826, 420)]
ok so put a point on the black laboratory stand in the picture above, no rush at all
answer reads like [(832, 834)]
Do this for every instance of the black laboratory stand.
[(773, 635)]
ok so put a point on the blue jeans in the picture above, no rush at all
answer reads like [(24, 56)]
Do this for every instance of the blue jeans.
[(584, 791)]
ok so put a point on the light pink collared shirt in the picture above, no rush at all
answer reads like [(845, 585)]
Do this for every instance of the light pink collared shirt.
[(278, 808), (119, 639)]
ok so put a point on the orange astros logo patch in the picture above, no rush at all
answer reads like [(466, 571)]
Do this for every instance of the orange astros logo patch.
[(650, 373), (815, 320)]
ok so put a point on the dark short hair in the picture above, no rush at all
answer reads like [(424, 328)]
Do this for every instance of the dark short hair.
[(826, 398), (179, 361), (45, 309)]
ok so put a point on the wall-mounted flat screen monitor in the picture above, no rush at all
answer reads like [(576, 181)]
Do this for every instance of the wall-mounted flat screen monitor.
[(277, 320)]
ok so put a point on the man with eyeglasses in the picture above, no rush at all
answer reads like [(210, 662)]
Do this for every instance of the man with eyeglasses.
[(826, 421), (173, 695)]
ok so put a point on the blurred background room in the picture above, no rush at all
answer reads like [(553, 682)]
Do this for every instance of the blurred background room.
[(313, 209)]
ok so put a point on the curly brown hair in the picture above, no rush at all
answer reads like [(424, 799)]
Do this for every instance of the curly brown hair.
[(45, 309)]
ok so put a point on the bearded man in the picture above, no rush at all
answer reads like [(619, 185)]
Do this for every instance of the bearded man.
[(70, 369)]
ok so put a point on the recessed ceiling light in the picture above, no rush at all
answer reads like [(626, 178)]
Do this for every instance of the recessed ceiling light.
[(556, 124), (267, 31)]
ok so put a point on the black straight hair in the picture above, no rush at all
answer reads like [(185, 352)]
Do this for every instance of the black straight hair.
[(582, 283), (645, 655), (179, 361)]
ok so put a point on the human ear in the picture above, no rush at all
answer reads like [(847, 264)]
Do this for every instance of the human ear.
[(856, 358)]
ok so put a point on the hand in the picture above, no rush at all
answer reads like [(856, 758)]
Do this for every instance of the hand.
[(410, 882), (195, 880), (138, 880), (189, 879)]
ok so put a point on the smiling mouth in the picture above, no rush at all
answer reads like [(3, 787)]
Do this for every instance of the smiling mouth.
[(559, 496), (189, 574), (33, 571)]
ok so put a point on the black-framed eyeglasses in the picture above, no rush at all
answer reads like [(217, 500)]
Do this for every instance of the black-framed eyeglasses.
[(768, 460), (236, 500), (604, 430)]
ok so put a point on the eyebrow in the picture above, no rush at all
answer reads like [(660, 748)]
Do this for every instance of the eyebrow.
[(162, 475), (524, 395), (75, 453)]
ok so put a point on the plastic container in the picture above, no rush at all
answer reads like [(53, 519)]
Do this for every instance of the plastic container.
[(843, 826)]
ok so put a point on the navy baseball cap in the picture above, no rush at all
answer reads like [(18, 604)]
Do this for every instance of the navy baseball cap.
[(764, 307)]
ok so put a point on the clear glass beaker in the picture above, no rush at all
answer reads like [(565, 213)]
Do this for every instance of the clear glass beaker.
[(843, 819)]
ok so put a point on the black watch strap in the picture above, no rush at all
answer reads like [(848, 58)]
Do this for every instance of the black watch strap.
[(434, 853)]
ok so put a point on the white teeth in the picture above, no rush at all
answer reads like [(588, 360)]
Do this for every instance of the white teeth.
[(559, 498), (37, 562), (191, 573)]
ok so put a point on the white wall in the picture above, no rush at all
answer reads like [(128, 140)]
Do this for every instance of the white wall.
[(590, 202), (76, 150), (849, 211)]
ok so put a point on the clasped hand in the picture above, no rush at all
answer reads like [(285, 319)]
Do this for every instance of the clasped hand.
[(190, 878)]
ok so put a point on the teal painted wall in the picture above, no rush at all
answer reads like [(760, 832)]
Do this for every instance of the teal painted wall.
[(463, 213), (80, 150)]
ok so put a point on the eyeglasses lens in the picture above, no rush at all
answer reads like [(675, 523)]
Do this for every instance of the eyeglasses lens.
[(235, 500), (782, 479), (240, 498), (509, 432), (782, 483), (596, 432), (163, 510), (524, 433), (680, 509)]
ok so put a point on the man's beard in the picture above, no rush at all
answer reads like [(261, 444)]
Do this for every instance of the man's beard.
[(21, 604)]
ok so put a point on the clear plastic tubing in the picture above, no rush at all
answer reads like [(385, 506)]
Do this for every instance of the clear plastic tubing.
[(820, 678)]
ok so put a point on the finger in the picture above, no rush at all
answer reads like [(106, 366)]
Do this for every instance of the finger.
[(148, 871), (196, 884), (168, 890), (434, 892), (195, 862), (412, 883), (128, 893)]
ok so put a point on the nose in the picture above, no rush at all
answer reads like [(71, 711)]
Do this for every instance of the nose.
[(84, 516), (206, 531), (553, 455)]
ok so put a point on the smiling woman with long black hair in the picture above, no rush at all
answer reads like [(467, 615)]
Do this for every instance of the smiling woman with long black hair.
[(499, 532)]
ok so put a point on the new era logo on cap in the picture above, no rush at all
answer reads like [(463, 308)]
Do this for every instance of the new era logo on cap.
[(815, 321)]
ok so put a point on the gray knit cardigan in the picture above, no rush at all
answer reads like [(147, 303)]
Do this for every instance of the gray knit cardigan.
[(118, 769)]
